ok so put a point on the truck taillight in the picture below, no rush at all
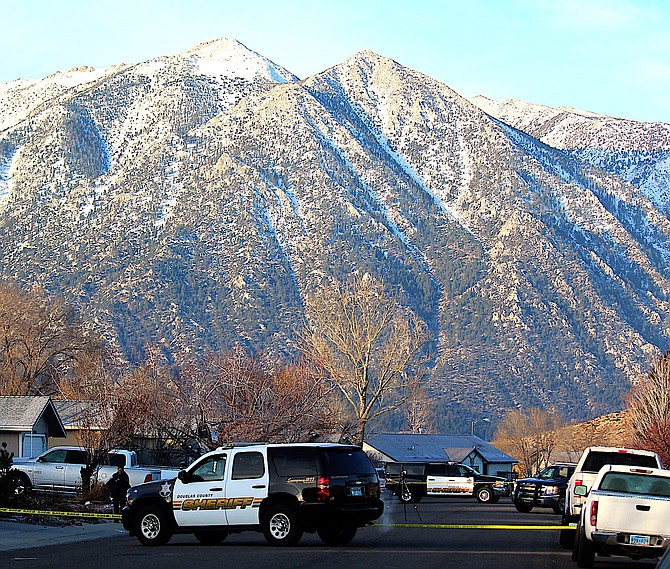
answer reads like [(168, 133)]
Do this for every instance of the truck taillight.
[(322, 488), (148, 477), (594, 513)]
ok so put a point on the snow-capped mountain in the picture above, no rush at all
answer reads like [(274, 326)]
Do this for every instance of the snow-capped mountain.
[(195, 200)]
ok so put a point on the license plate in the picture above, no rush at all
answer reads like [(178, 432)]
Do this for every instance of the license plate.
[(356, 491), (639, 540)]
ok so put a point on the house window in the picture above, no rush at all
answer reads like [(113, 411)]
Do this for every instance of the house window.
[(33, 445)]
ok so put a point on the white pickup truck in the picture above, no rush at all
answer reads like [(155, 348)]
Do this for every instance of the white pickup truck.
[(59, 470), (626, 512)]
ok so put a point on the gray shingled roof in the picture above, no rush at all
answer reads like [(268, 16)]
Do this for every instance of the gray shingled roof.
[(436, 448), (22, 414), (76, 414)]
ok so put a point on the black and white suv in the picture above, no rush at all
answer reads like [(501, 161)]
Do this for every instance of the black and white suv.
[(281, 490)]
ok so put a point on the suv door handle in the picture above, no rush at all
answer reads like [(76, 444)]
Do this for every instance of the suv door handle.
[(257, 486), (60, 467), (216, 489), (642, 508)]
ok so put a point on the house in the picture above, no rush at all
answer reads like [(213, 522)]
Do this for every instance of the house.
[(466, 449), (27, 423)]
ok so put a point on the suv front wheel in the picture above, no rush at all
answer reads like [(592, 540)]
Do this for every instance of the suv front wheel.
[(281, 527), (152, 527)]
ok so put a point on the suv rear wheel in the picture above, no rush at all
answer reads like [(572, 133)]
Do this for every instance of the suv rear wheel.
[(335, 536), (486, 495), (281, 527), (523, 508)]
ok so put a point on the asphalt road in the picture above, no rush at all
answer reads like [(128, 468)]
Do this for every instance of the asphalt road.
[(384, 546)]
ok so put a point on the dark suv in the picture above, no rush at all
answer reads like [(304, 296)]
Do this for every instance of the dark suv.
[(279, 490), (546, 490)]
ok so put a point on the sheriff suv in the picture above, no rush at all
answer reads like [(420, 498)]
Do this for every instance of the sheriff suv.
[(413, 480), (281, 490), (546, 490)]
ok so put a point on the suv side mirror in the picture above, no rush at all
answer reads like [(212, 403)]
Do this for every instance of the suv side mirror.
[(183, 476), (581, 491)]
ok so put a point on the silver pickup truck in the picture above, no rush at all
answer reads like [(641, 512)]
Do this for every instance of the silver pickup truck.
[(59, 470)]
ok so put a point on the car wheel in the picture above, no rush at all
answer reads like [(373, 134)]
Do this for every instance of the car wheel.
[(560, 507), (336, 536), (281, 527), (485, 495), (523, 508), (22, 485), (152, 526), (210, 537), (584, 553)]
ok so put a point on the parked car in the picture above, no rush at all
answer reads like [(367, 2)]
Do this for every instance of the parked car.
[(625, 512), (413, 481), (59, 470), (545, 490), (281, 490), (588, 466)]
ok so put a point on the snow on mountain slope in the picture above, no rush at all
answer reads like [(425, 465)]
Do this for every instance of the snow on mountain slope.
[(196, 200), (637, 152)]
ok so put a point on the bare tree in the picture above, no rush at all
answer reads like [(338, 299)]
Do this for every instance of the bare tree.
[(530, 435), (40, 341), (245, 402), (418, 411), (369, 345), (649, 405), (158, 408), (105, 419)]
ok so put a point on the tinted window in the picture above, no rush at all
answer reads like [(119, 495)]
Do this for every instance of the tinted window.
[(115, 459), (76, 457), (597, 459), (55, 456), (436, 470), (348, 461), (636, 483), (414, 469), (294, 461), (248, 465)]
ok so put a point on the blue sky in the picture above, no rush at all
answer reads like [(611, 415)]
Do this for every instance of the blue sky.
[(606, 56)]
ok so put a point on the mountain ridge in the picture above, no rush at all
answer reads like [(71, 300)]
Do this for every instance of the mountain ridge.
[(205, 207)]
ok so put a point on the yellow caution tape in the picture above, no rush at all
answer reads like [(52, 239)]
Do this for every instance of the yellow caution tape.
[(474, 526), (60, 514)]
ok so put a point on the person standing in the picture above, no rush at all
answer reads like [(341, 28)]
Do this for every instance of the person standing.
[(118, 485)]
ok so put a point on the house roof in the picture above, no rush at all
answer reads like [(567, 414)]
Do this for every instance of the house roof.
[(436, 448), (22, 413), (77, 414)]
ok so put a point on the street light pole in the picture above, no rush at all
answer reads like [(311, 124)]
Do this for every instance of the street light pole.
[(473, 421)]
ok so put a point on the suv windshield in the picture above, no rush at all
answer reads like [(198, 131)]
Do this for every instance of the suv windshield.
[(348, 461), (556, 472)]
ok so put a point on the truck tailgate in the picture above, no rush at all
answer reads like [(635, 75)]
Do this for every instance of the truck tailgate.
[(628, 513)]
